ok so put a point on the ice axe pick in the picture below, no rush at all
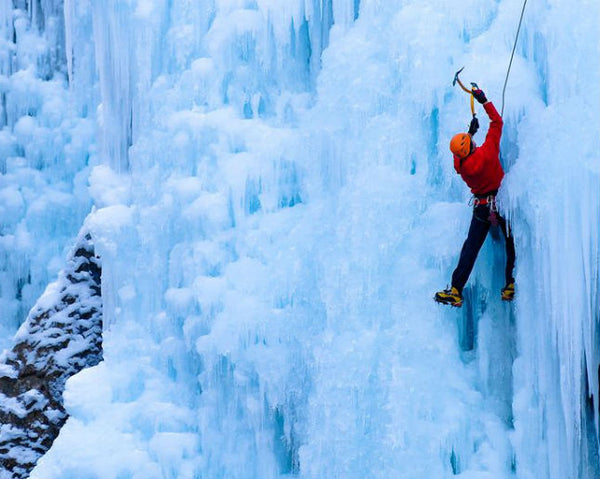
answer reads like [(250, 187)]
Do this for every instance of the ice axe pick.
[(466, 90)]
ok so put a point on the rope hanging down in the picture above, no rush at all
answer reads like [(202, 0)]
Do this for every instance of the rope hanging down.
[(511, 56)]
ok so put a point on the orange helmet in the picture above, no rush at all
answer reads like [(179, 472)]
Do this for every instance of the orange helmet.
[(460, 145)]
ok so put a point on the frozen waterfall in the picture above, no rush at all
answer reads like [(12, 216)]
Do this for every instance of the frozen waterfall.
[(269, 188)]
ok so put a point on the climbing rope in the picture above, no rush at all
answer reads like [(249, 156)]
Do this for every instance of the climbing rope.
[(511, 56)]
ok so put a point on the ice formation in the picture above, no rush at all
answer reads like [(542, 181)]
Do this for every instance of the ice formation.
[(274, 204)]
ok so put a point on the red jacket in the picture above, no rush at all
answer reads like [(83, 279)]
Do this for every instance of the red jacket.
[(481, 170)]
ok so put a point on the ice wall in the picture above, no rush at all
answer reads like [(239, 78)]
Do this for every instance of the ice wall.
[(275, 208), (44, 150), (554, 190)]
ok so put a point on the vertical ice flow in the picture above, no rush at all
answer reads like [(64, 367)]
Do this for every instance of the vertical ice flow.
[(45, 148), (275, 206)]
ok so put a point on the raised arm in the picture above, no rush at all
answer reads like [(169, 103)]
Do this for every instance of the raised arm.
[(495, 131), (492, 139)]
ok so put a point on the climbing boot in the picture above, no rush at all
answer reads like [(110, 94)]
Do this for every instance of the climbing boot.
[(449, 296), (508, 292)]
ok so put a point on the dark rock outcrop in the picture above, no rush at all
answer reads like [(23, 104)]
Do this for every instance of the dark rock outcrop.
[(61, 336)]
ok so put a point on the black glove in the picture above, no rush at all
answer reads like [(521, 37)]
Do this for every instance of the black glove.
[(474, 126), (479, 96)]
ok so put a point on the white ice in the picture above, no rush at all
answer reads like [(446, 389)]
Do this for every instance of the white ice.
[(275, 204)]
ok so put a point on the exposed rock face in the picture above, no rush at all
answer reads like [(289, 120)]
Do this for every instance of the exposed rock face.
[(61, 336)]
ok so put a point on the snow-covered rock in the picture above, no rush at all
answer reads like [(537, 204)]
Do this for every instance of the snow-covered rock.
[(61, 336)]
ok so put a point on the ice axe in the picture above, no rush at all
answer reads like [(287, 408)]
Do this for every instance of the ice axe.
[(466, 90)]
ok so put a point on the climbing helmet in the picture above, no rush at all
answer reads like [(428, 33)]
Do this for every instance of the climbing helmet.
[(460, 145)]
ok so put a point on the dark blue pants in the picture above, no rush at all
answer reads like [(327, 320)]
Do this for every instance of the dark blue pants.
[(480, 225)]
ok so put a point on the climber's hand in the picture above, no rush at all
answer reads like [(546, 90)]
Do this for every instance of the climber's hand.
[(479, 96), (474, 126)]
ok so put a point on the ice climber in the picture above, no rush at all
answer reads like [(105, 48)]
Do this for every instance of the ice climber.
[(481, 170)]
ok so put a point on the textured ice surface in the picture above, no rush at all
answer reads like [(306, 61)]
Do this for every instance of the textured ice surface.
[(45, 147), (275, 206)]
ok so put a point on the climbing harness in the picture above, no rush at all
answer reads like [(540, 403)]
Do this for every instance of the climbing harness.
[(484, 201), (489, 200), (511, 56)]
